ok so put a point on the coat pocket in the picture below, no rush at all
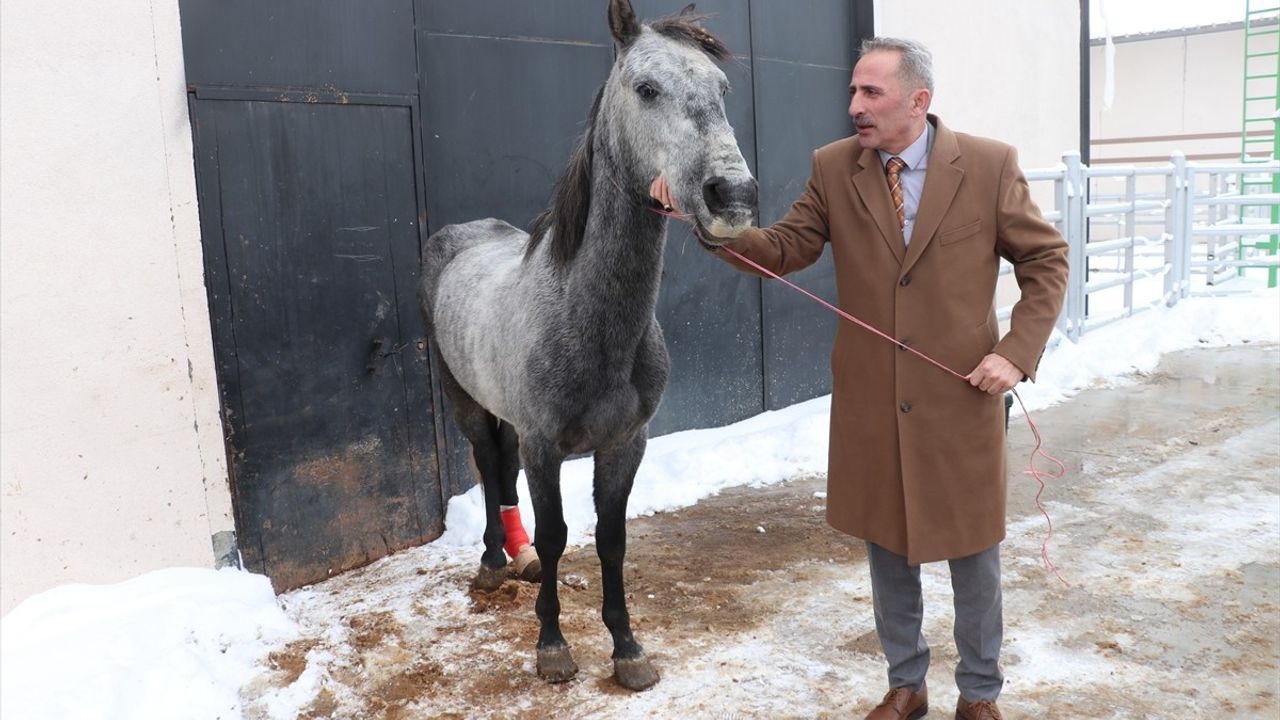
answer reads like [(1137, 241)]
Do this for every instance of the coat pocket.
[(956, 234)]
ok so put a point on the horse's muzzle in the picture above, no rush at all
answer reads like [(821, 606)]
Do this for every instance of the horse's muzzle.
[(723, 195), (731, 206)]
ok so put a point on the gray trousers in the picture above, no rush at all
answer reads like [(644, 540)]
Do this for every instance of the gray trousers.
[(979, 628)]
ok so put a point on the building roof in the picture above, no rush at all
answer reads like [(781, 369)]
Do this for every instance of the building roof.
[(1181, 32)]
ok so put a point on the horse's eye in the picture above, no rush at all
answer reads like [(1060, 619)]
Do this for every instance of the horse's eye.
[(647, 91)]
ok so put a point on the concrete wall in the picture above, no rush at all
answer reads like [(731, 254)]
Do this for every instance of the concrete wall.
[(1168, 89), (111, 453)]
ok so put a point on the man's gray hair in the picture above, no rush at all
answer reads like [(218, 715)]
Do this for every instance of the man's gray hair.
[(916, 65)]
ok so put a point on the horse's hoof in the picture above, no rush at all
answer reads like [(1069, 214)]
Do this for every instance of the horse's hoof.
[(556, 665), (527, 565), (489, 579), (635, 673)]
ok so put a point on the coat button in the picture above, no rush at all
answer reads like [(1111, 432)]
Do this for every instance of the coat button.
[(904, 344), (906, 407), (905, 281)]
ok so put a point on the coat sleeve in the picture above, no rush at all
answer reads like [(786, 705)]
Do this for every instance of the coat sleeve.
[(794, 242), (1039, 257)]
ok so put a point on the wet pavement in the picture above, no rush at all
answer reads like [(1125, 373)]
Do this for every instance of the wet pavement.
[(1168, 529)]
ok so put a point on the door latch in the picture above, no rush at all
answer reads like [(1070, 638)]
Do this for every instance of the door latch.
[(383, 348)]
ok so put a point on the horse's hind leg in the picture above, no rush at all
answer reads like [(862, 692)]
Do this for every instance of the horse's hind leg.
[(524, 558), (615, 470), (542, 467), (480, 428)]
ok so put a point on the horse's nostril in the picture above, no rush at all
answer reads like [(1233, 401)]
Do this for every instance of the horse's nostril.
[(715, 192), (719, 193)]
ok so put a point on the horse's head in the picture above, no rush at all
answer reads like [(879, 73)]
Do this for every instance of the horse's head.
[(665, 99)]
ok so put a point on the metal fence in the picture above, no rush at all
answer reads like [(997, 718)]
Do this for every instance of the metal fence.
[(1141, 237)]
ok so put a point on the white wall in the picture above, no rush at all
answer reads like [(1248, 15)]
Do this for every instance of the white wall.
[(111, 453), (1005, 69), (1165, 89)]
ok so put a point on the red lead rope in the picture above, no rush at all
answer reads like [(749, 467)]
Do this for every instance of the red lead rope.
[(1031, 470)]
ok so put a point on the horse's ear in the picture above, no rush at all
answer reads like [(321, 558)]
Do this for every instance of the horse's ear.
[(623, 22), (688, 10)]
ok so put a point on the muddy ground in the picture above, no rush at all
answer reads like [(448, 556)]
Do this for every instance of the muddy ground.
[(1166, 533)]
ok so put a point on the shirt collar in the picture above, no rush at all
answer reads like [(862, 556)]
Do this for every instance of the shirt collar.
[(916, 155)]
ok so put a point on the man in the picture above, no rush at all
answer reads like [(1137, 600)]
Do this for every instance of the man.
[(918, 217)]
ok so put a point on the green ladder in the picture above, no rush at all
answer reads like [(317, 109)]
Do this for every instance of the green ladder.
[(1260, 135)]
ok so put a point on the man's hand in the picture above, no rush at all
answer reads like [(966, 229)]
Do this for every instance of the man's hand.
[(659, 191), (995, 375)]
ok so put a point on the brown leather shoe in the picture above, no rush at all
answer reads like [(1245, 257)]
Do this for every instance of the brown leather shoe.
[(981, 710), (902, 704)]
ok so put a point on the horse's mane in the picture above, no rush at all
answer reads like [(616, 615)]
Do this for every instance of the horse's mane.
[(686, 27), (571, 198)]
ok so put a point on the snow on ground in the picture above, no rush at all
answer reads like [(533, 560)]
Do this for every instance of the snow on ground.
[(176, 643), (182, 643)]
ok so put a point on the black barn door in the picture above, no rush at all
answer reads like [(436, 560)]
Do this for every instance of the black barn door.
[(312, 213), (312, 236)]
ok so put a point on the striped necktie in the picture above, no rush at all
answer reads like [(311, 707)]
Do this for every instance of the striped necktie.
[(894, 170)]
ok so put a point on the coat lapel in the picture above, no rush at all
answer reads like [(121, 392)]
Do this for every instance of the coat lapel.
[(941, 182), (870, 185)]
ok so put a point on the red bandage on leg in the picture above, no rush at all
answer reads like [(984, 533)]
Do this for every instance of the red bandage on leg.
[(516, 536)]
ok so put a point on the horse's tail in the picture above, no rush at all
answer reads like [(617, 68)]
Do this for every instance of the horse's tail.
[(445, 244)]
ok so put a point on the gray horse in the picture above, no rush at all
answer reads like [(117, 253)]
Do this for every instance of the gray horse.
[(548, 341)]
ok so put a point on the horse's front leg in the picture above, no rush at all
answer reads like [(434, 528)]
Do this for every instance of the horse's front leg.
[(542, 469), (615, 470)]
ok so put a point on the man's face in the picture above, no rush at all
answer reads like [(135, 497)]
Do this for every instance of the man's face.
[(886, 115)]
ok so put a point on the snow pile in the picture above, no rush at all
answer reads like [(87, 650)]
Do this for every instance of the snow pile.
[(169, 645), (1114, 353)]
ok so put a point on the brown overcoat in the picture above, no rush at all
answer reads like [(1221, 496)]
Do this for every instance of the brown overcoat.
[(917, 457)]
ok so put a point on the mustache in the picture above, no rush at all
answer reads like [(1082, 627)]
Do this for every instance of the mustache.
[(863, 122)]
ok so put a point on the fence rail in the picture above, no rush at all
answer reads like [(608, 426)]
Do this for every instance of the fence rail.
[(1141, 237)]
